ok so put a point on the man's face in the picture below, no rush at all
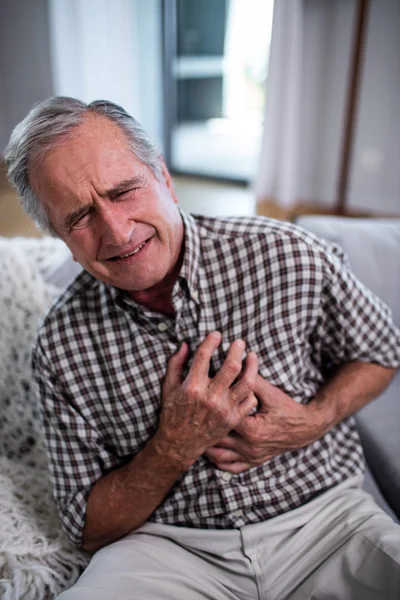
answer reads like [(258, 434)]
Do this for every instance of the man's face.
[(120, 223)]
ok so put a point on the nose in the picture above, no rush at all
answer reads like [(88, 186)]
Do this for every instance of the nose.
[(116, 227)]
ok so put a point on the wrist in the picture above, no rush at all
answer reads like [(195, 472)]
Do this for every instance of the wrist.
[(171, 454), (324, 415)]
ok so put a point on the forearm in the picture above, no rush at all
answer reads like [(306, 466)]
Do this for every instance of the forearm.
[(124, 499), (353, 386)]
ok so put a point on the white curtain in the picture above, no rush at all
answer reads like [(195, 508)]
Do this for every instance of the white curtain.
[(278, 173), (109, 50)]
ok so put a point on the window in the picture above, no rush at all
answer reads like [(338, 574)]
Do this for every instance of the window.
[(216, 66)]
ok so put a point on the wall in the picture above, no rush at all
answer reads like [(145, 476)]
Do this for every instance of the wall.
[(89, 49), (326, 42), (375, 174), (150, 77), (25, 70), (374, 183), (110, 50)]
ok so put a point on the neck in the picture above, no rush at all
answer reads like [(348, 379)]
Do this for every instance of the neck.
[(156, 302), (161, 304), (159, 297)]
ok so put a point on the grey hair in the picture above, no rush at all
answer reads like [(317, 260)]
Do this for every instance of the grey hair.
[(46, 125)]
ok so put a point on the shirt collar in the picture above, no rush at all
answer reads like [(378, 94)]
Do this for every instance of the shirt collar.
[(191, 258)]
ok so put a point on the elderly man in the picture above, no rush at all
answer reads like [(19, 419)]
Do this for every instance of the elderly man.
[(197, 382)]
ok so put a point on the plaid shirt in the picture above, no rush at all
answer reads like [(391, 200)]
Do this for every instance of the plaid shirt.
[(101, 358)]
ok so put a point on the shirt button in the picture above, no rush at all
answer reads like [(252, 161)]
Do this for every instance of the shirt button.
[(237, 513), (163, 326), (226, 476)]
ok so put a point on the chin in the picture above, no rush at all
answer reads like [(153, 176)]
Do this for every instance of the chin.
[(130, 285)]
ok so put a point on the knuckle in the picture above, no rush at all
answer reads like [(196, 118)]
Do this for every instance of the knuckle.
[(225, 415), (210, 404), (202, 354), (193, 389), (249, 379), (244, 387), (233, 367)]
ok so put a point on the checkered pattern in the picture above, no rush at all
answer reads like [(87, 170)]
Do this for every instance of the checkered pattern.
[(100, 360)]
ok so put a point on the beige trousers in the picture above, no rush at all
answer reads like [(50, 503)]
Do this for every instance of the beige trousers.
[(339, 546)]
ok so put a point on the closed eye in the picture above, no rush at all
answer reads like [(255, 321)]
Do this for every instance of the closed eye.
[(123, 193), (82, 220), (124, 187)]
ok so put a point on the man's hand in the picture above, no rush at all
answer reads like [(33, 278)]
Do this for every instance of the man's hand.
[(196, 413), (280, 425), (199, 411)]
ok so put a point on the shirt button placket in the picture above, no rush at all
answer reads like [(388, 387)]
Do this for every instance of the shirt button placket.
[(235, 514)]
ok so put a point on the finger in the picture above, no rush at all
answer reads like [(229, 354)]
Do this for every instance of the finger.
[(231, 366), (201, 361), (173, 376), (236, 444), (268, 393), (247, 407), (229, 442), (245, 429), (235, 468), (226, 442), (244, 387), (222, 455), (262, 387)]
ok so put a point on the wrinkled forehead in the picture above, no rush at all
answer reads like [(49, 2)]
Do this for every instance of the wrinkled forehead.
[(96, 152)]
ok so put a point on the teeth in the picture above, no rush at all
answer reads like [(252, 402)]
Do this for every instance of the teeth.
[(132, 253)]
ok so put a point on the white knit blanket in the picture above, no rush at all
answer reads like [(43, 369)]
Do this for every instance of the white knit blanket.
[(36, 559)]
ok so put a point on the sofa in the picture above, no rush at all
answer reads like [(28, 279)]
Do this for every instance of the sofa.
[(36, 559), (373, 249)]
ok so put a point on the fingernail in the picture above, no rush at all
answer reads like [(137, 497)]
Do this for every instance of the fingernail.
[(216, 334), (241, 344)]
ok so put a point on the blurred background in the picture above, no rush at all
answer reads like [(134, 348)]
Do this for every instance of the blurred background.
[(276, 108)]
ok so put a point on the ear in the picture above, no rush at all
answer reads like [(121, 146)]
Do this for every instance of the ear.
[(168, 181), (74, 258)]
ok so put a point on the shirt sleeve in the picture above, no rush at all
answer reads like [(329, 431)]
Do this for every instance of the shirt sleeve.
[(77, 456), (353, 323)]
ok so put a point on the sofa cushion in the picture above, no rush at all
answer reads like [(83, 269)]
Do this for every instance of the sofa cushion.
[(379, 425), (372, 247)]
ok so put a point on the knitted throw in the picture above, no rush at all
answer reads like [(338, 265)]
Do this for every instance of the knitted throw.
[(36, 559)]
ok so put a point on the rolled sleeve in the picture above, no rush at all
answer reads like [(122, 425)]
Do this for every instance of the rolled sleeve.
[(354, 324), (76, 453)]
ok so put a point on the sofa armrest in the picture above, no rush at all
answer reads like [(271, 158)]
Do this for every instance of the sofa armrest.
[(378, 424)]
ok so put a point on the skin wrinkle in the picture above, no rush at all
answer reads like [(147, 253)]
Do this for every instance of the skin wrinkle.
[(112, 193)]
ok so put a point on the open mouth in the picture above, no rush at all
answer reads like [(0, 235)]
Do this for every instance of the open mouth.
[(129, 254)]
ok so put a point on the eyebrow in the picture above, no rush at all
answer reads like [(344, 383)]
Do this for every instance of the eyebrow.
[(123, 186), (72, 217), (112, 193)]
